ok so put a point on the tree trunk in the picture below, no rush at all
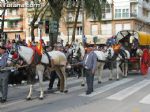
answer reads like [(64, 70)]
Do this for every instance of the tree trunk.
[(32, 34), (3, 17), (76, 19), (56, 7)]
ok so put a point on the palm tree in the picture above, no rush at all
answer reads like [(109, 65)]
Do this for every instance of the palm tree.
[(92, 8)]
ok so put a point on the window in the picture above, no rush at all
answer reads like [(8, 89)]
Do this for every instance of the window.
[(79, 30), (80, 17), (70, 30), (94, 30), (117, 13), (70, 17), (12, 24), (118, 27), (127, 26), (125, 13), (106, 29)]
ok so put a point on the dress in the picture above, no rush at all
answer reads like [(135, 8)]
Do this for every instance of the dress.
[(145, 62)]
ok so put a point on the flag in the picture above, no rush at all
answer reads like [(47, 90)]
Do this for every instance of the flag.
[(39, 48)]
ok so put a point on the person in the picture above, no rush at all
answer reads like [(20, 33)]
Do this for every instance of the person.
[(145, 61), (3, 75), (53, 74), (89, 63)]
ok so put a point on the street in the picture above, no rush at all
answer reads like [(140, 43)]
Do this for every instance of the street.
[(131, 94)]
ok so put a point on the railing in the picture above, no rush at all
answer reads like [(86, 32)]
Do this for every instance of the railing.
[(12, 17), (134, 1), (13, 28), (146, 5)]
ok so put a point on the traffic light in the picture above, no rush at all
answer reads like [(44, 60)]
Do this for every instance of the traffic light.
[(46, 26)]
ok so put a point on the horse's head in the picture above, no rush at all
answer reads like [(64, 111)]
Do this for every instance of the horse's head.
[(109, 53), (139, 52), (13, 58), (26, 53)]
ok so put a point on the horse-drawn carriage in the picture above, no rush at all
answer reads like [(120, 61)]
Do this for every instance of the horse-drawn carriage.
[(134, 42)]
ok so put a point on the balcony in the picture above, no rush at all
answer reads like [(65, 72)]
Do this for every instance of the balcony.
[(13, 29), (133, 1), (146, 5), (133, 15), (11, 17), (72, 20)]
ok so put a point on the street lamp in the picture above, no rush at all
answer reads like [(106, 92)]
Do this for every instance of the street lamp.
[(40, 24)]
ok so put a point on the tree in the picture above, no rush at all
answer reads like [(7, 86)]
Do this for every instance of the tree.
[(93, 8), (37, 13), (56, 7), (2, 20)]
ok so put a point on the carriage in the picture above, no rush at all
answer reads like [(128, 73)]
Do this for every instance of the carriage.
[(134, 42)]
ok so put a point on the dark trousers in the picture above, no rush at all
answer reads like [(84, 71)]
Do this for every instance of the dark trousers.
[(4, 85), (53, 76), (89, 80)]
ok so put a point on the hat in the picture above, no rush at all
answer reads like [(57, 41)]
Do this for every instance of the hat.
[(3, 47)]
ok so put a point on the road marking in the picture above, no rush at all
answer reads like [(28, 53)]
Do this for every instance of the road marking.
[(107, 87), (146, 100), (12, 103), (129, 91)]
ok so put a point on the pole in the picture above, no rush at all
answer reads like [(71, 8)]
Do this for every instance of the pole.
[(68, 24), (82, 19), (40, 33)]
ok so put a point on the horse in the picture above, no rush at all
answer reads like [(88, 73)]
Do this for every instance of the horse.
[(120, 58), (74, 55), (111, 58), (53, 60)]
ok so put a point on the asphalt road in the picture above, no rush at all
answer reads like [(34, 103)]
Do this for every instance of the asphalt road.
[(131, 94)]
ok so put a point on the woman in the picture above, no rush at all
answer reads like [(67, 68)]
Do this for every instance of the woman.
[(145, 61)]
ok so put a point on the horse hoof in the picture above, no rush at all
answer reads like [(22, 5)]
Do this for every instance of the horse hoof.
[(41, 98), (28, 98), (66, 91), (125, 76), (61, 91), (117, 79), (82, 84), (99, 82)]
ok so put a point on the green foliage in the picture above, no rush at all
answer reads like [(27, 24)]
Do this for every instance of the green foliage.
[(94, 8)]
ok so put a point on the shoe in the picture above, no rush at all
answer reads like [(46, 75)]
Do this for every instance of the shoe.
[(3, 100), (88, 92), (50, 88)]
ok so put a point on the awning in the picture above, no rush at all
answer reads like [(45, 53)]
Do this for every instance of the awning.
[(144, 38)]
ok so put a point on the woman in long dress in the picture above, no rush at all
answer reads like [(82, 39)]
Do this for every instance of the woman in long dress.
[(145, 61)]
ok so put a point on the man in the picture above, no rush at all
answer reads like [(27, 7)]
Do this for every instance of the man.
[(3, 75), (89, 64), (53, 74)]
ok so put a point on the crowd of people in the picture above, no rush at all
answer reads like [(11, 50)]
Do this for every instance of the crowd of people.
[(89, 61)]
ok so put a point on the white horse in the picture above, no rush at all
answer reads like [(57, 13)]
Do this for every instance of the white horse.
[(56, 62), (110, 56)]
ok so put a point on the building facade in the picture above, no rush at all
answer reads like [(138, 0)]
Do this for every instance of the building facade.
[(117, 15)]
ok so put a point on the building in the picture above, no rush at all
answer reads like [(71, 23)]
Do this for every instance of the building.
[(117, 15), (14, 21)]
